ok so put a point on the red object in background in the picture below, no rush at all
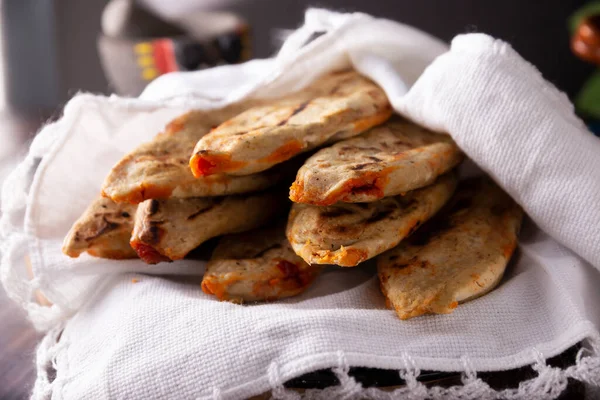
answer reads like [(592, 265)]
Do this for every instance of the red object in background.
[(164, 56), (585, 42)]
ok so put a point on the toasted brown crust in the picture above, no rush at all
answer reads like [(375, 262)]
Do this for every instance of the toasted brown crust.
[(255, 266), (347, 234), (103, 230), (335, 107), (169, 229), (459, 255), (388, 160), (159, 169)]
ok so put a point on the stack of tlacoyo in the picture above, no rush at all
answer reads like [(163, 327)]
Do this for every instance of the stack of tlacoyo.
[(374, 186)]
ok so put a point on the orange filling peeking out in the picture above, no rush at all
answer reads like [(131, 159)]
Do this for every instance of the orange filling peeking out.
[(209, 286), (284, 152), (204, 164), (147, 253), (369, 183)]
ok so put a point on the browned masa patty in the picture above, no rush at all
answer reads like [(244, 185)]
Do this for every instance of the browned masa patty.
[(457, 256), (257, 265), (103, 230), (159, 169), (388, 160), (335, 107), (166, 230), (347, 234)]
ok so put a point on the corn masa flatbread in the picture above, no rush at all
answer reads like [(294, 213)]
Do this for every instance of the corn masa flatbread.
[(347, 234), (333, 108), (103, 230), (166, 230), (387, 160), (255, 266), (459, 255), (159, 169)]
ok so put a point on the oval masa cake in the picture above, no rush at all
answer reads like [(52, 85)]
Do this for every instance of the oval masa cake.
[(160, 169), (257, 265), (457, 256), (387, 160), (347, 234), (103, 230), (166, 230), (335, 107)]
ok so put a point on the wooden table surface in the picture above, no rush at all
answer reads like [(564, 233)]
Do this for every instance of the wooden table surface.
[(18, 339)]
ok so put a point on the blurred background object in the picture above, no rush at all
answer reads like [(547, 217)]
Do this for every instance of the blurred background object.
[(50, 49), (137, 46), (585, 44)]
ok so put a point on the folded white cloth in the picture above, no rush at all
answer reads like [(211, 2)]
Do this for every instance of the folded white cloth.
[(161, 337)]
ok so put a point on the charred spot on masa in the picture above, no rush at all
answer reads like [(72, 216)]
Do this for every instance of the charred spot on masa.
[(374, 158), (198, 212), (358, 167), (340, 85), (335, 212), (414, 227), (125, 214), (296, 110), (155, 233), (152, 234), (345, 149), (153, 207), (104, 227), (215, 201), (340, 228), (379, 215), (367, 188), (392, 258)]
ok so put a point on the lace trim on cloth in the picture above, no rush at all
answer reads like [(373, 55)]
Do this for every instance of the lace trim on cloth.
[(549, 383)]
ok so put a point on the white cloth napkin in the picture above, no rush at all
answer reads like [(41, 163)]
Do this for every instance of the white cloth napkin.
[(163, 337)]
